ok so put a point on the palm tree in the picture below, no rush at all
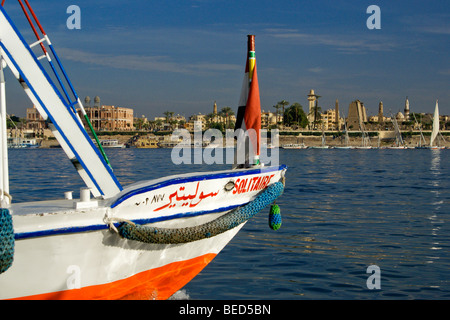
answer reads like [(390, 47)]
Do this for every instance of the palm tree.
[(158, 124), (169, 115), (295, 115), (283, 103), (139, 123), (209, 118), (316, 112), (152, 125)]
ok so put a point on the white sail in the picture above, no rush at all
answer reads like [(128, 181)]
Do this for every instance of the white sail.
[(398, 134), (435, 131)]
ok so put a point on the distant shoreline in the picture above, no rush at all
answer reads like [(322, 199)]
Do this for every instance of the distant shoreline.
[(309, 138)]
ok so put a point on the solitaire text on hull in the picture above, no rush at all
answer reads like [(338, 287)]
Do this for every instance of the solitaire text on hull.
[(141, 241)]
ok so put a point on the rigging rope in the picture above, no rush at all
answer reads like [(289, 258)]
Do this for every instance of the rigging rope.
[(69, 104)]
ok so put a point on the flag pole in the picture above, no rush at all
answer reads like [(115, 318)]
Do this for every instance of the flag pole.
[(253, 107)]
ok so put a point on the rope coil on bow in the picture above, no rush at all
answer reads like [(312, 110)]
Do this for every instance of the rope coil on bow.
[(228, 221)]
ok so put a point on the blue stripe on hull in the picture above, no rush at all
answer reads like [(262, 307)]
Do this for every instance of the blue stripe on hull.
[(96, 227), (227, 174)]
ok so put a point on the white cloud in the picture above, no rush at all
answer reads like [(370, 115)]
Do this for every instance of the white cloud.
[(354, 43), (444, 30), (445, 72), (316, 70), (145, 63)]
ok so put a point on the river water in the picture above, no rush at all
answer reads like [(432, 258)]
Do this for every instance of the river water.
[(345, 213)]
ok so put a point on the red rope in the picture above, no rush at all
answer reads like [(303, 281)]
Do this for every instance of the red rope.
[(31, 24), (34, 16)]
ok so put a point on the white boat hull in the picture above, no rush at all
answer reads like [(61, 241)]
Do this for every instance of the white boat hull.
[(102, 265), (343, 147), (67, 253), (294, 146)]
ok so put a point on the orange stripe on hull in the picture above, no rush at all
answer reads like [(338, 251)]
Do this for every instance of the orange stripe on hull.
[(159, 283)]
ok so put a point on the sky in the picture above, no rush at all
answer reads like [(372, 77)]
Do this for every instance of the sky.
[(183, 55)]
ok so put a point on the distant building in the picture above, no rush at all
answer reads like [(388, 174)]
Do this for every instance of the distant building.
[(194, 120), (198, 117), (218, 117), (268, 119), (356, 115), (330, 120), (34, 120), (109, 118), (326, 118), (400, 117), (336, 116), (170, 122)]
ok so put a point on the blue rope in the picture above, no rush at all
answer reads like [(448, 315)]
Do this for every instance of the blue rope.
[(224, 223), (6, 240)]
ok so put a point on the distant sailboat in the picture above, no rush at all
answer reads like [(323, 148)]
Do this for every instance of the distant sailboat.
[(323, 145), (346, 139), (399, 143), (294, 146), (435, 132), (422, 138), (365, 140)]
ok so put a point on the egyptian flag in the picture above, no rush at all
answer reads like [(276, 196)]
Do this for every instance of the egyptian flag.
[(249, 112)]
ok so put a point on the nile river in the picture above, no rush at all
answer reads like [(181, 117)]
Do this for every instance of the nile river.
[(342, 210)]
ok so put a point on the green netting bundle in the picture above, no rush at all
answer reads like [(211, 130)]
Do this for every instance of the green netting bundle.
[(6, 240), (274, 217)]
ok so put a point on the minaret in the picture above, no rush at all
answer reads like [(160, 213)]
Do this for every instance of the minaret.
[(312, 98), (215, 108), (380, 112), (407, 109)]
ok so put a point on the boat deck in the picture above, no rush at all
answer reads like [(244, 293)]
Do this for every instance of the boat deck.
[(49, 207)]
